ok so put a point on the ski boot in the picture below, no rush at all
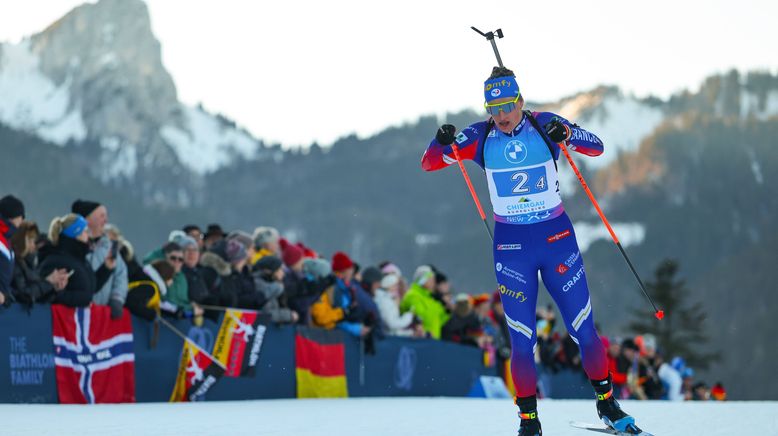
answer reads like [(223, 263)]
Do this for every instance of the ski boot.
[(609, 409), (528, 412)]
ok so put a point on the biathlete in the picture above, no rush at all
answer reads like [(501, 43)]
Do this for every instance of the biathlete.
[(532, 233)]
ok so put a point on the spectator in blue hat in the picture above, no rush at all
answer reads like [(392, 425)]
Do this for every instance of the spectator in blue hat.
[(69, 249)]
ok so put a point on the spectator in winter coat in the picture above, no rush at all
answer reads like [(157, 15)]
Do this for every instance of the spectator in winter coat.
[(269, 287), (198, 291), (369, 282), (337, 307), (387, 299), (266, 242), (631, 364), (28, 286), (390, 268), (618, 375), (442, 290), (222, 271), (247, 241), (147, 289), (69, 250), (419, 301), (317, 278), (172, 251), (114, 291), (294, 280), (464, 326), (11, 216)]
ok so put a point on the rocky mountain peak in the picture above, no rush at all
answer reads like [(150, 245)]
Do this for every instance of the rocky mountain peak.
[(107, 54)]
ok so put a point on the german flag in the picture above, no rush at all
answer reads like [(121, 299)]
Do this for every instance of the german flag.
[(239, 341), (321, 363), (197, 372)]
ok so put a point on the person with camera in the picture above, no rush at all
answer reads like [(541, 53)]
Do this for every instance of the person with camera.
[(114, 292)]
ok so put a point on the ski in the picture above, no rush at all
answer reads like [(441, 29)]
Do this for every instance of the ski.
[(602, 428)]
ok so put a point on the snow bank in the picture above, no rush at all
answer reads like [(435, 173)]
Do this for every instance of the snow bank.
[(379, 417)]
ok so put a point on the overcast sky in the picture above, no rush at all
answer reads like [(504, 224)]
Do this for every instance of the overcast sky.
[(298, 71)]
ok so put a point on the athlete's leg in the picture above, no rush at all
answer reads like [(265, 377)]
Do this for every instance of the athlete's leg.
[(516, 271), (563, 274)]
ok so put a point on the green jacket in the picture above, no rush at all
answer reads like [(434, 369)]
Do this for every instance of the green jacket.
[(419, 301), (178, 292)]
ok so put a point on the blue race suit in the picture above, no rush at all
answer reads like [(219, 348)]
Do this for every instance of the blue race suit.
[(532, 234)]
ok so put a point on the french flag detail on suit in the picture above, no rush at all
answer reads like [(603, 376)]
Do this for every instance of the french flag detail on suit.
[(93, 354)]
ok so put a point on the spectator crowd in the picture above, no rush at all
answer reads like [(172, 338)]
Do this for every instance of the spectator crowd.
[(82, 259)]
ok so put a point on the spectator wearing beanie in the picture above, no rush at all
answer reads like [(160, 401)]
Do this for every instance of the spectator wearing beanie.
[(28, 287), (198, 291), (370, 281), (148, 287), (337, 307), (292, 257), (387, 299), (11, 216), (222, 266), (269, 283), (69, 250), (247, 241), (420, 301), (114, 292), (266, 243)]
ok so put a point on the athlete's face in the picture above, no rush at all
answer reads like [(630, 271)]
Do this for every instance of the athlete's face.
[(507, 121)]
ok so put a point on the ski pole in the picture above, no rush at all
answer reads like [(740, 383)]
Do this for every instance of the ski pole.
[(455, 149), (659, 314)]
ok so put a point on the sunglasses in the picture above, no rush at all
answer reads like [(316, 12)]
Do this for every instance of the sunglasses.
[(507, 107), (175, 259)]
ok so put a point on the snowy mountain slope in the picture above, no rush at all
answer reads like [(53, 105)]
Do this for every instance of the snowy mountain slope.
[(380, 417), (31, 101), (97, 75)]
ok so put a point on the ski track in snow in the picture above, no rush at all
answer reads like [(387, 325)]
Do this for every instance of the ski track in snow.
[(379, 417)]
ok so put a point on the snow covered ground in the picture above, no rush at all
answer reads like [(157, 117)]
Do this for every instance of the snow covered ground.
[(378, 417)]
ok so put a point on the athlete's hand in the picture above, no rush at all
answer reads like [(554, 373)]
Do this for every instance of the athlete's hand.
[(557, 131), (446, 134)]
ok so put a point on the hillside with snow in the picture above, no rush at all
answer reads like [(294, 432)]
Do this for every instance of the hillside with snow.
[(96, 76)]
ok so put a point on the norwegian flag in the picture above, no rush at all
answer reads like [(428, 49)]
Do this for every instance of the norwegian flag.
[(93, 354)]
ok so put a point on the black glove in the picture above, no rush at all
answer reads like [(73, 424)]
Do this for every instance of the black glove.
[(117, 308), (446, 134), (557, 131)]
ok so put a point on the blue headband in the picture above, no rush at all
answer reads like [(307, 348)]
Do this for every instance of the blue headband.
[(75, 229), (500, 87)]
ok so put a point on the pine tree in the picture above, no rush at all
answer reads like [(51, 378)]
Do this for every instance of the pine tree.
[(682, 331)]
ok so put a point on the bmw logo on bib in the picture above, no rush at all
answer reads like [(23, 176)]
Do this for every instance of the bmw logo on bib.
[(515, 151)]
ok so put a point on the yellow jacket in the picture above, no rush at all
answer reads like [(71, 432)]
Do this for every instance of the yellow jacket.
[(324, 314)]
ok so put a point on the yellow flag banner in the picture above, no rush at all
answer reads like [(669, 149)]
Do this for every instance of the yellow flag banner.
[(197, 372), (239, 341)]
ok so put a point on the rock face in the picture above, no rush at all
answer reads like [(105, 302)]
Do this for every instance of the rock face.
[(94, 80), (112, 62)]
